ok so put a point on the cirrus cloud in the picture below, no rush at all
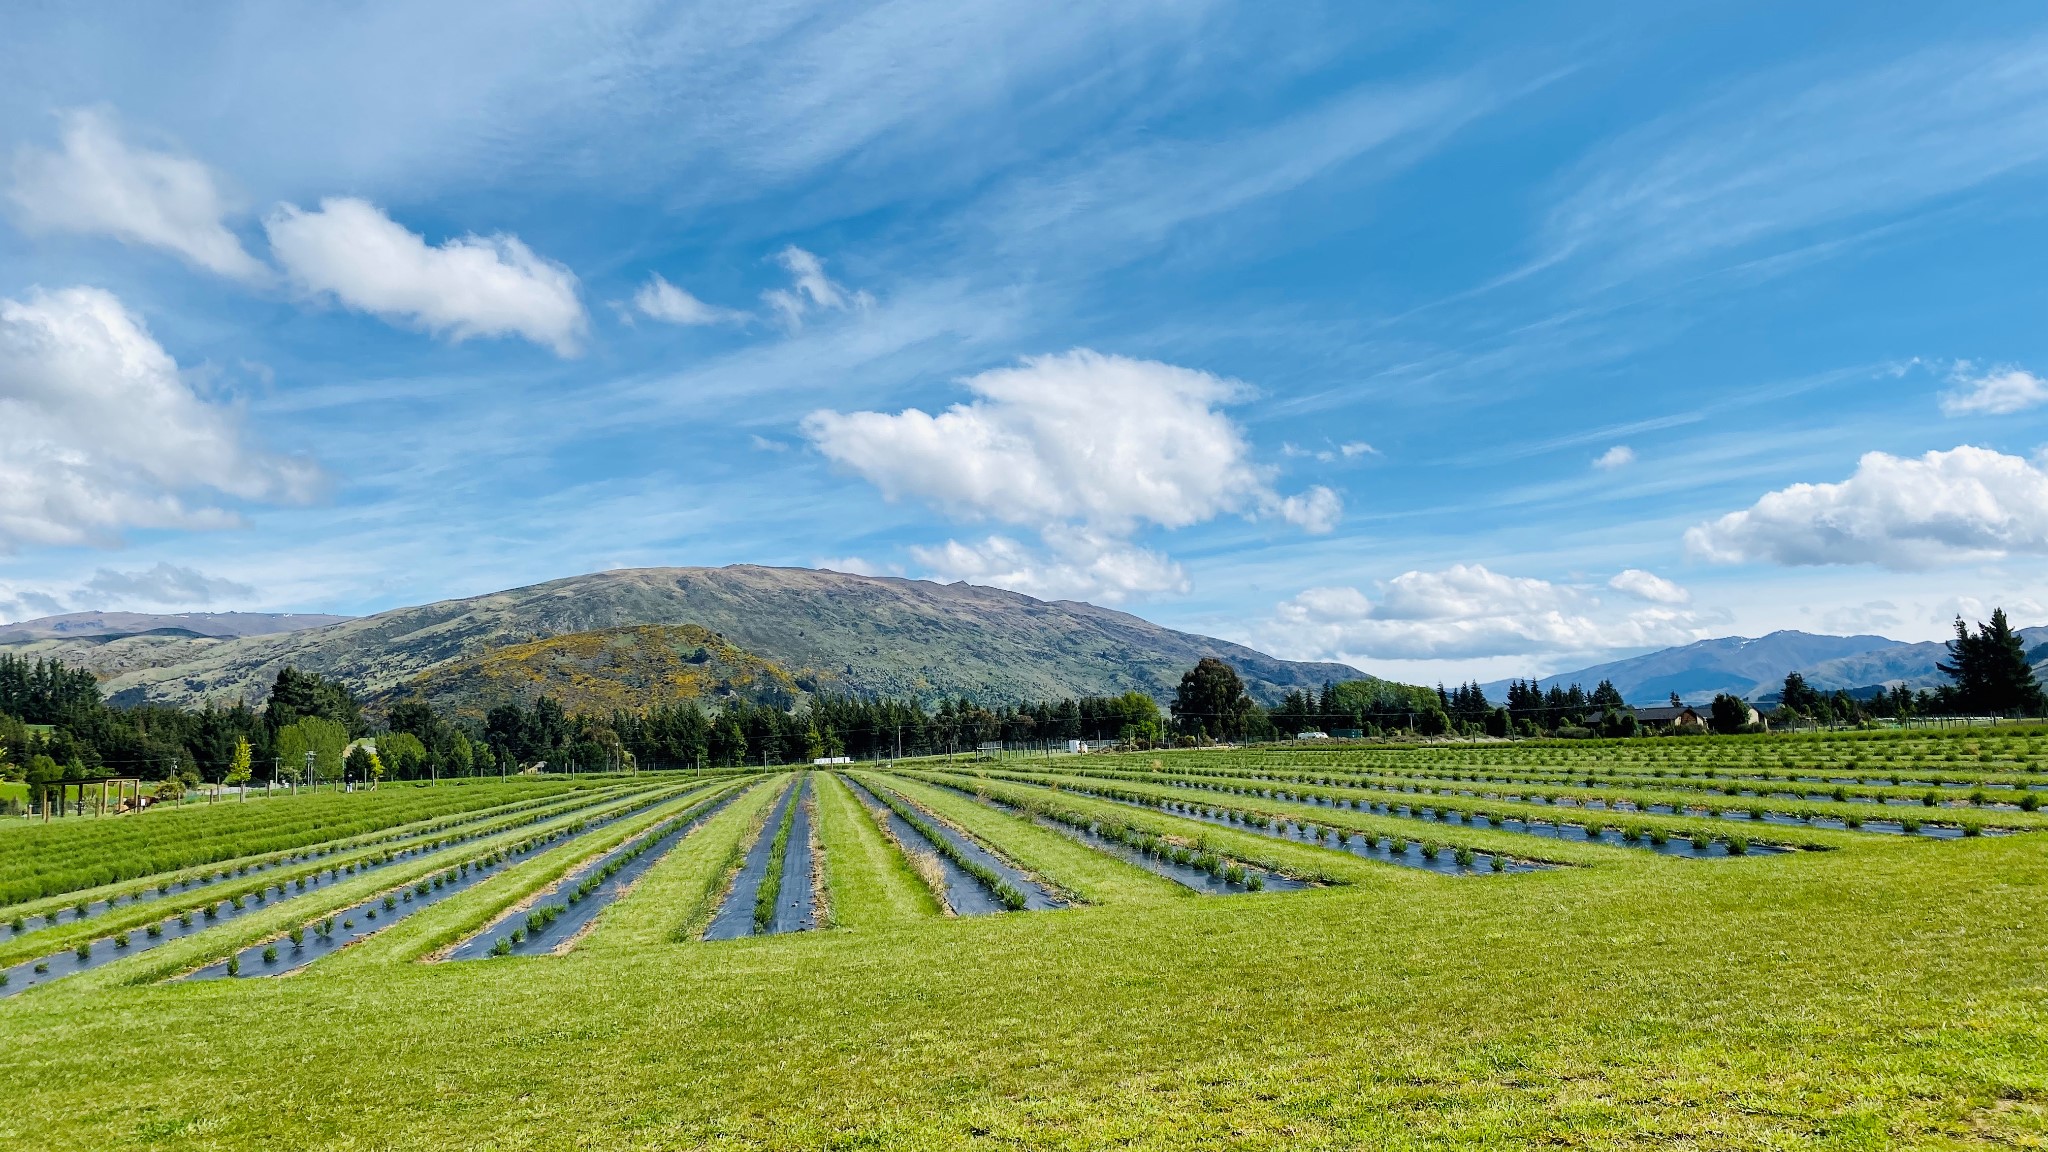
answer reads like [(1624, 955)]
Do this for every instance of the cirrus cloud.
[(1965, 504)]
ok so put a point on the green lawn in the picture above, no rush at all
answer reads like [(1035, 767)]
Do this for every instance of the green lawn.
[(1890, 992)]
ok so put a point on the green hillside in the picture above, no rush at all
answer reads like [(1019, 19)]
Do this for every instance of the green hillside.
[(869, 634), (605, 669)]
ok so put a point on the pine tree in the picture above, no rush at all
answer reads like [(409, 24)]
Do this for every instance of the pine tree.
[(1990, 669)]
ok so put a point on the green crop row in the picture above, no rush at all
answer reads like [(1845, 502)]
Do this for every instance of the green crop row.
[(1004, 892)]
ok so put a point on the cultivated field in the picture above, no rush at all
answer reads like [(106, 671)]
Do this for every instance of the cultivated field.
[(1806, 941)]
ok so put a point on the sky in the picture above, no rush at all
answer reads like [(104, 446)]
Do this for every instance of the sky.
[(1443, 340)]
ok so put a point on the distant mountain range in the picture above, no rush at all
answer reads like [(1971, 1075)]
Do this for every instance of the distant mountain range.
[(1756, 668), (820, 629), (115, 625)]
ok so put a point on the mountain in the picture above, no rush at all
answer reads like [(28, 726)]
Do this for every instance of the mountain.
[(862, 633), (1755, 669), (1702, 670), (1910, 664), (113, 644), (113, 625), (605, 669)]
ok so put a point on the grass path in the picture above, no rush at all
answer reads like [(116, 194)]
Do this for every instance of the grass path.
[(871, 884), (1092, 876), (445, 923), (677, 895)]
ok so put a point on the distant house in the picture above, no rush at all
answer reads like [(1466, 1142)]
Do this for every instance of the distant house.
[(1311, 735), (1681, 717), (1678, 716)]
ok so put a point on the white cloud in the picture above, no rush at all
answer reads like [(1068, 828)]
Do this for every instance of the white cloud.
[(810, 289), (1648, 586), (468, 286), (98, 432), (1073, 567), (1080, 437), (1084, 448), (660, 300), (1965, 504), (1358, 448), (1998, 392), (97, 183), (1315, 511), (1619, 456), (1467, 612)]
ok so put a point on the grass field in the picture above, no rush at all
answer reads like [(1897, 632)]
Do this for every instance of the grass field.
[(1867, 989)]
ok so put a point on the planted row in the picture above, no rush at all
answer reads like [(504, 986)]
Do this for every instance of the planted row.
[(68, 855), (768, 892), (1004, 892)]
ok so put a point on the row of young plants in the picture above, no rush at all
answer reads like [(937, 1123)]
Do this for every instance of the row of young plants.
[(1852, 773), (288, 874), (416, 889), (1683, 806), (1140, 840), (770, 889), (1005, 893), (72, 907), (90, 954), (557, 881), (69, 855), (1472, 814), (1711, 781), (1884, 758)]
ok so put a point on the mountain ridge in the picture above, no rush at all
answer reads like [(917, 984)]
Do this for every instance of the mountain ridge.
[(1755, 667), (871, 634)]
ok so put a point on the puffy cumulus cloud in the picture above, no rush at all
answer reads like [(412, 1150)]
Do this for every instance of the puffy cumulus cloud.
[(1648, 586), (1466, 612), (99, 433), (165, 585), (1084, 448), (1071, 567), (96, 182), (1965, 504), (810, 289), (469, 286), (1619, 456), (1998, 392), (1079, 437), (660, 300)]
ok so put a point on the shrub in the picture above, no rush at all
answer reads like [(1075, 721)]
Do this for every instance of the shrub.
[(1500, 863), (155, 930), (235, 965), (270, 954), (1465, 857)]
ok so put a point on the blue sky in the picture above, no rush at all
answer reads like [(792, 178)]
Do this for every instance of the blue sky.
[(1441, 340)]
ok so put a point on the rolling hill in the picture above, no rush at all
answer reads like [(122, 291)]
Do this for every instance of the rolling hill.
[(862, 633), (604, 669)]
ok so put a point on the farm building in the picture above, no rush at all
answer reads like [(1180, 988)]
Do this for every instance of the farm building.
[(1677, 716)]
